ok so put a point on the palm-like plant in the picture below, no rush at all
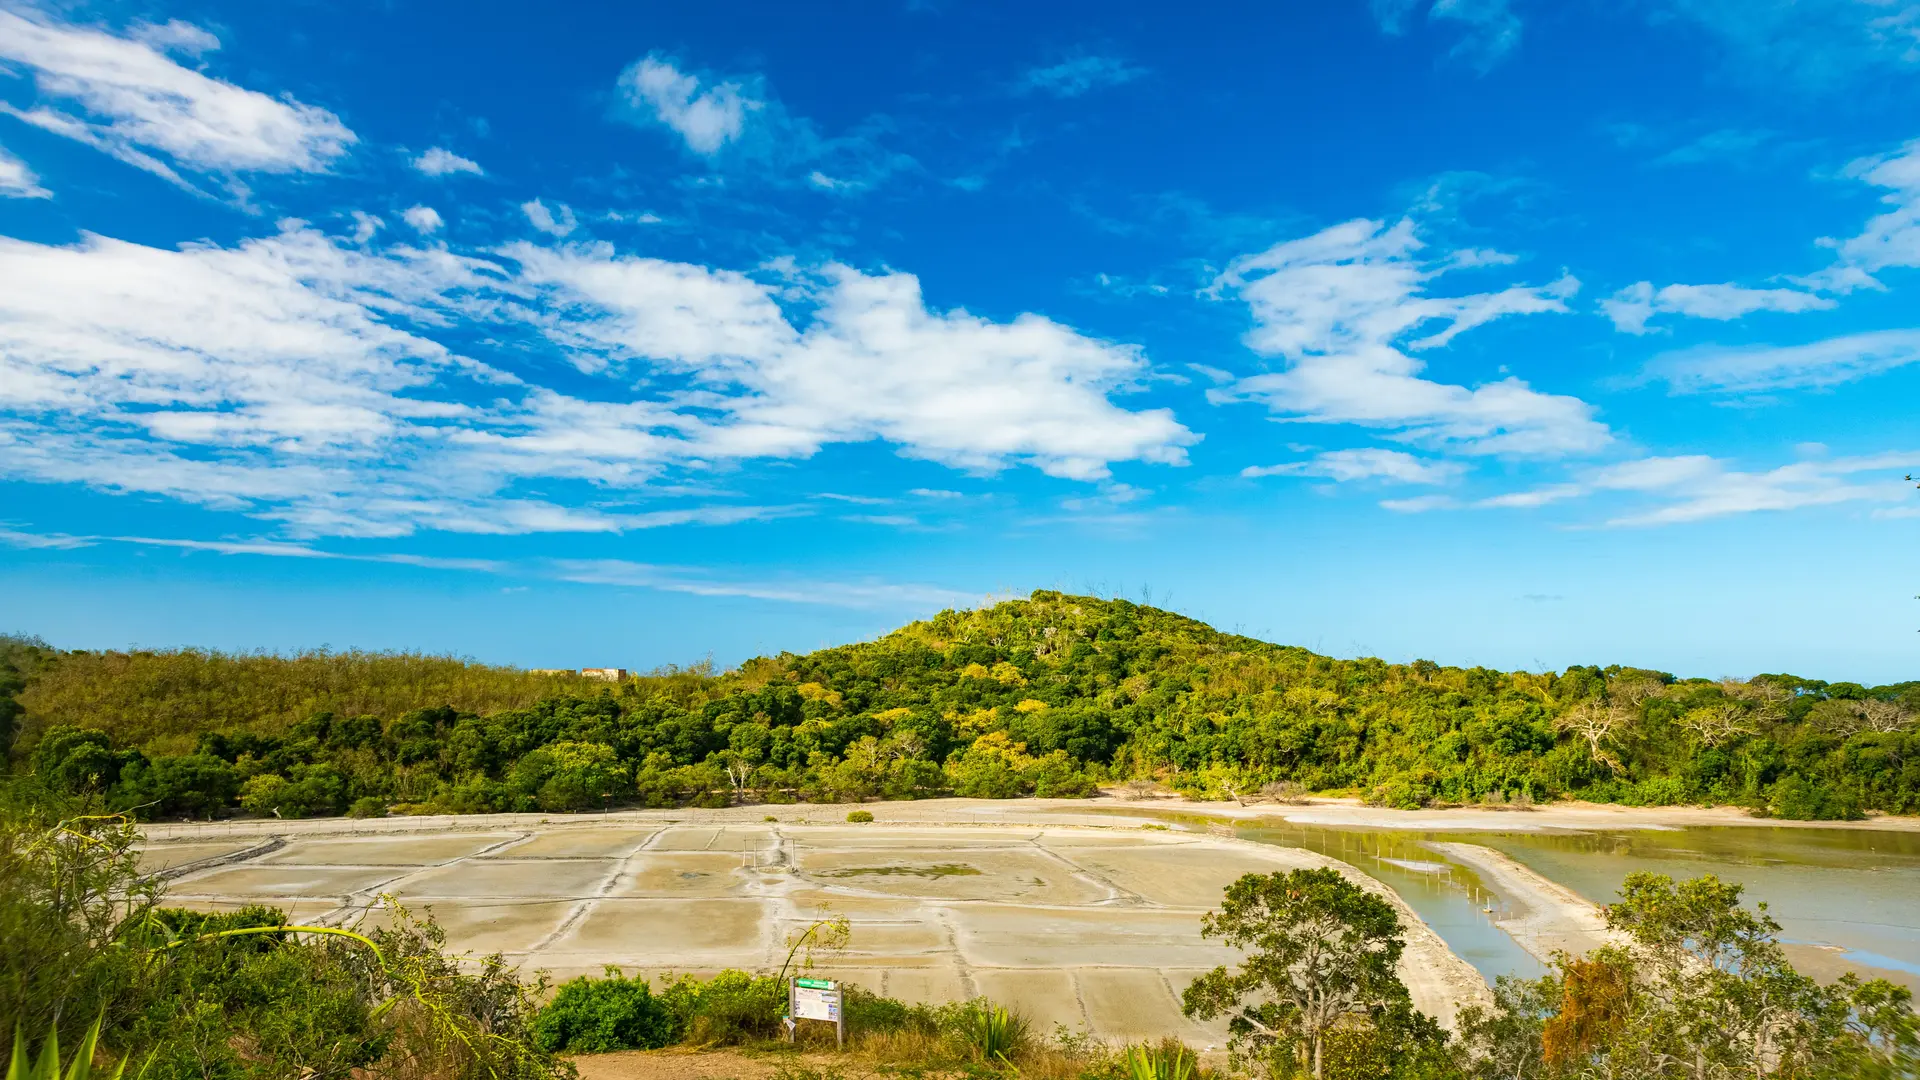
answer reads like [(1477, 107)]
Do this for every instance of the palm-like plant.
[(1167, 1061), (47, 1065)]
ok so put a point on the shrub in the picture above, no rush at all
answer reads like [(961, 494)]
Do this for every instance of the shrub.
[(992, 1033), (593, 1016), (368, 806), (1799, 799), (731, 1007), (860, 816)]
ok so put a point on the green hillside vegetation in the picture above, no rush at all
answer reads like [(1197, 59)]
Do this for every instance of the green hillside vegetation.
[(1045, 696)]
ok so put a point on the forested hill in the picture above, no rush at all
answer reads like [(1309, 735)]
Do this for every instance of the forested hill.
[(1048, 695)]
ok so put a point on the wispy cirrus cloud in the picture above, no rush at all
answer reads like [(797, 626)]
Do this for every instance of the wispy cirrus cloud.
[(1890, 239), (1489, 29), (736, 123), (1688, 488), (1760, 368), (1634, 306), (1347, 309), (850, 594), (1079, 75), (1370, 463), (126, 96), (17, 181), (1817, 44)]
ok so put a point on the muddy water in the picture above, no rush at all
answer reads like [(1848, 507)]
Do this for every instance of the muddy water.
[(1845, 899), (1451, 898), (1853, 894)]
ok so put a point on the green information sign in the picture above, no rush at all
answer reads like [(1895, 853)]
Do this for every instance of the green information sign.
[(814, 984)]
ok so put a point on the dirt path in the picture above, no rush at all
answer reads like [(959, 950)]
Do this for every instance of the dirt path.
[(679, 1063)]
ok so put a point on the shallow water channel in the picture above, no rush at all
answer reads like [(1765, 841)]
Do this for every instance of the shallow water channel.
[(1853, 892), (1849, 895)]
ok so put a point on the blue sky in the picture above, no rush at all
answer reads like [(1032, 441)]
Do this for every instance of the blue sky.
[(1491, 331)]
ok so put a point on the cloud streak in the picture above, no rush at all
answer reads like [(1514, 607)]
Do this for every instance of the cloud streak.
[(1365, 464), (1632, 307), (1690, 488), (127, 97), (1760, 368), (17, 181)]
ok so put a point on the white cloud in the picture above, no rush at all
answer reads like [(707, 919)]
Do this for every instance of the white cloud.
[(707, 119), (365, 226), (423, 219), (1365, 464), (1338, 308), (271, 548), (1490, 29), (1889, 240), (864, 594), (1079, 75), (546, 220), (134, 102), (298, 378), (739, 125), (1819, 43), (874, 362), (1674, 490), (440, 161), (175, 36), (1767, 367), (1633, 306), (1420, 504), (1701, 488), (43, 541), (17, 181)]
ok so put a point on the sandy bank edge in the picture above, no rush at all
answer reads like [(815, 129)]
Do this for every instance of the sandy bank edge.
[(1546, 917)]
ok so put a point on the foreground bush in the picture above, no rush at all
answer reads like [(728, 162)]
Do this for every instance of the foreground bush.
[(593, 1016), (235, 996)]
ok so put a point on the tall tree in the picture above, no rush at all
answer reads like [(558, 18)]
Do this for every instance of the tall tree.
[(1320, 953)]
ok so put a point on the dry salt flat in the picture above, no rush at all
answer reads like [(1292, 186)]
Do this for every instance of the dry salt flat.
[(1093, 928)]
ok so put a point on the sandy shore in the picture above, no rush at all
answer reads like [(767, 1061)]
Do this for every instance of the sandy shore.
[(1542, 916), (1549, 817), (1105, 810)]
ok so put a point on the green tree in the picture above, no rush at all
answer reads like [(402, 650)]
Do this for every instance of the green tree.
[(1698, 989), (572, 775), (1320, 954)]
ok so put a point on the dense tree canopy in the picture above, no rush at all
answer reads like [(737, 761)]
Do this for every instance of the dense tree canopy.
[(1047, 696)]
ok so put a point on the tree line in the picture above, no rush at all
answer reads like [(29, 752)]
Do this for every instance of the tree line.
[(1050, 696)]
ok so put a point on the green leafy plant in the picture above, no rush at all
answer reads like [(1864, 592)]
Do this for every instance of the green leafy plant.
[(47, 1065), (593, 1016), (1166, 1060), (859, 817), (994, 1033)]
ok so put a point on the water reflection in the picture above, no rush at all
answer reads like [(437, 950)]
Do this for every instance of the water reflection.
[(1852, 893), (1844, 897)]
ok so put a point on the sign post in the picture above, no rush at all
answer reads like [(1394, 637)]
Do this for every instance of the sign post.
[(816, 999)]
